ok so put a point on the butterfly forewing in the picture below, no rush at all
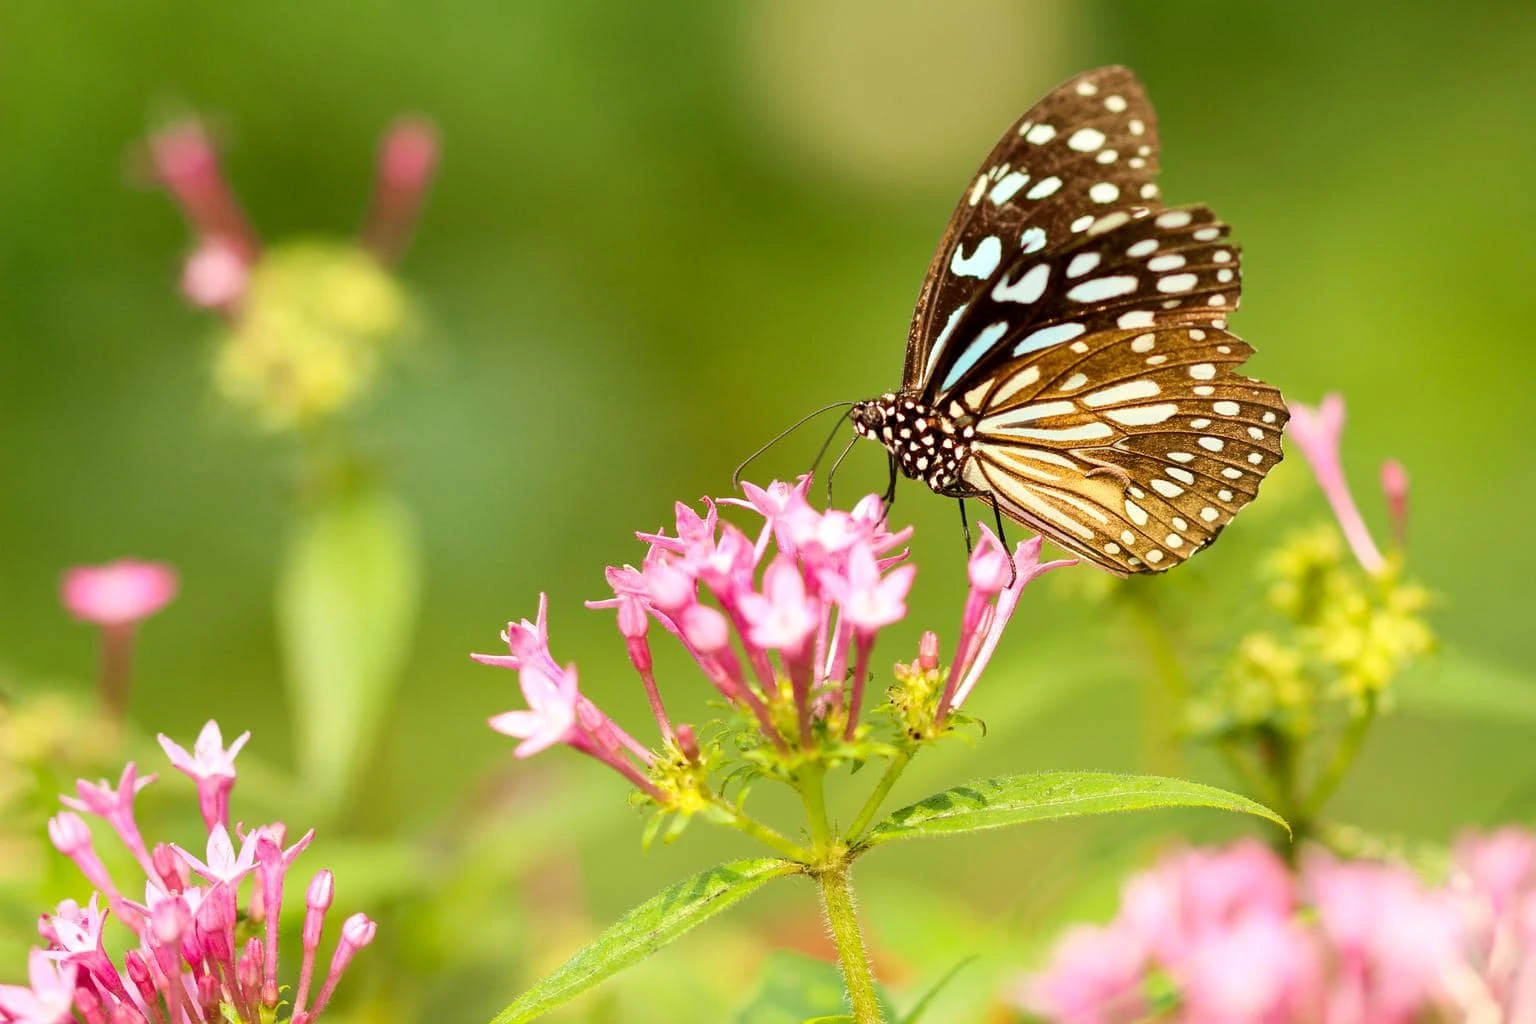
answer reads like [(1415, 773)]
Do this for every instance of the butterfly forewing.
[(1087, 149)]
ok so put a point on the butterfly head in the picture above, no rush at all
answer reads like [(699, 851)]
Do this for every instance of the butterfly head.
[(928, 445)]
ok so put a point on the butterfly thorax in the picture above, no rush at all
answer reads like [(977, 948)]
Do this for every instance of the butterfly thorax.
[(927, 444)]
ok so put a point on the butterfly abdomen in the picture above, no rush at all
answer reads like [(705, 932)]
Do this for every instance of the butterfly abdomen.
[(928, 444)]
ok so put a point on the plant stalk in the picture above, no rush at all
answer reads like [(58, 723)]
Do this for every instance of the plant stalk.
[(882, 790), (852, 956)]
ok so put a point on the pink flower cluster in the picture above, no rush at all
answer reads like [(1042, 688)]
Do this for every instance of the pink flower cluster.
[(118, 593), (185, 161), (1237, 938), (187, 963), (1319, 433), (784, 615)]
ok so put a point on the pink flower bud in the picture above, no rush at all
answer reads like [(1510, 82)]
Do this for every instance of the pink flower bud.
[(670, 587), (215, 275), (69, 833), (928, 651), (1394, 483), (688, 743)]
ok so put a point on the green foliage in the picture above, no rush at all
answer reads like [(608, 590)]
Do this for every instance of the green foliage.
[(346, 609), (658, 921), (1046, 796)]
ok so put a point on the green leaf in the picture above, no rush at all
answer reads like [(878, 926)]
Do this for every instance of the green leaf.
[(798, 989), (1045, 796), (346, 607), (917, 1011), (644, 930)]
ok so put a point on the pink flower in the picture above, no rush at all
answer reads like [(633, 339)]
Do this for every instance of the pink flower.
[(1396, 943), (870, 601), (783, 616), (184, 940), (551, 714), (224, 865), (1317, 433), (186, 162), (211, 765), (215, 275), (1195, 894), (47, 998), (1261, 970), (1094, 977), (407, 160), (119, 593), (557, 712), (1394, 484), (989, 608), (115, 806)]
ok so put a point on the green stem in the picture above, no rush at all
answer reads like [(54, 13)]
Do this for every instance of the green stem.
[(1343, 757), (763, 833), (882, 790), (842, 917), (815, 800)]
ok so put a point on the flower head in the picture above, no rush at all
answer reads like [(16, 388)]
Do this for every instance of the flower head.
[(184, 939), (118, 593)]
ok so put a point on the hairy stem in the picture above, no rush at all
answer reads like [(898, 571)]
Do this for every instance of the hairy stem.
[(852, 956), (882, 790)]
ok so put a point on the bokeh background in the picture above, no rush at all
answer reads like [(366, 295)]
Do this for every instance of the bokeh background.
[(660, 233)]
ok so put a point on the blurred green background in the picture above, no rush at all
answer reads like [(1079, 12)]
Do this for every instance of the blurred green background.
[(660, 232)]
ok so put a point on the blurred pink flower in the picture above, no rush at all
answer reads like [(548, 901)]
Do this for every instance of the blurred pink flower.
[(115, 806), (551, 714), (1235, 937), (1394, 484), (1260, 970), (408, 158), (47, 998), (1095, 976), (118, 593), (1318, 432)]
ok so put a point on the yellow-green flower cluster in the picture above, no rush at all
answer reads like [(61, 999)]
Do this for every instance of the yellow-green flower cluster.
[(313, 331)]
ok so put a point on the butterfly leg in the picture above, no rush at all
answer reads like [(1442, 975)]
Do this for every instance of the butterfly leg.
[(997, 514), (965, 526)]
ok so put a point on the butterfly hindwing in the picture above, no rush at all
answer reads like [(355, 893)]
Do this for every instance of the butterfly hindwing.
[(1087, 149)]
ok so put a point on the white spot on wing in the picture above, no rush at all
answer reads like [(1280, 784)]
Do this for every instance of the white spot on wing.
[(1005, 189), (1143, 415), (1086, 140), (1032, 240), (1082, 263), (1029, 287), (1104, 192), (1135, 318), (1127, 392), (1045, 337), (1101, 288), (1044, 187), (1040, 134), (981, 263)]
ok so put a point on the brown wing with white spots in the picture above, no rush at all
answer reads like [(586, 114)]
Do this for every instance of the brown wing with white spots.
[(1087, 149), (1133, 453)]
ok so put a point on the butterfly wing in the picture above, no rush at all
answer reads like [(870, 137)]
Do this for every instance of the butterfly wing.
[(1102, 385), (1087, 149)]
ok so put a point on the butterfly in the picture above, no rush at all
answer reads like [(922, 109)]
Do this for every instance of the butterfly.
[(1069, 360)]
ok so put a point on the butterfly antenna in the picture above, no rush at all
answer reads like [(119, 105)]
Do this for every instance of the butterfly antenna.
[(838, 462), (781, 435)]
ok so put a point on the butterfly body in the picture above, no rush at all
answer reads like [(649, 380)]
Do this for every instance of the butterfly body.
[(1069, 360)]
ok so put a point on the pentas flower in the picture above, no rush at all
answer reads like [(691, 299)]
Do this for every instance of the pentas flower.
[(781, 619), (194, 957), (1318, 432), (117, 596), (1233, 937), (118, 593), (211, 765)]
